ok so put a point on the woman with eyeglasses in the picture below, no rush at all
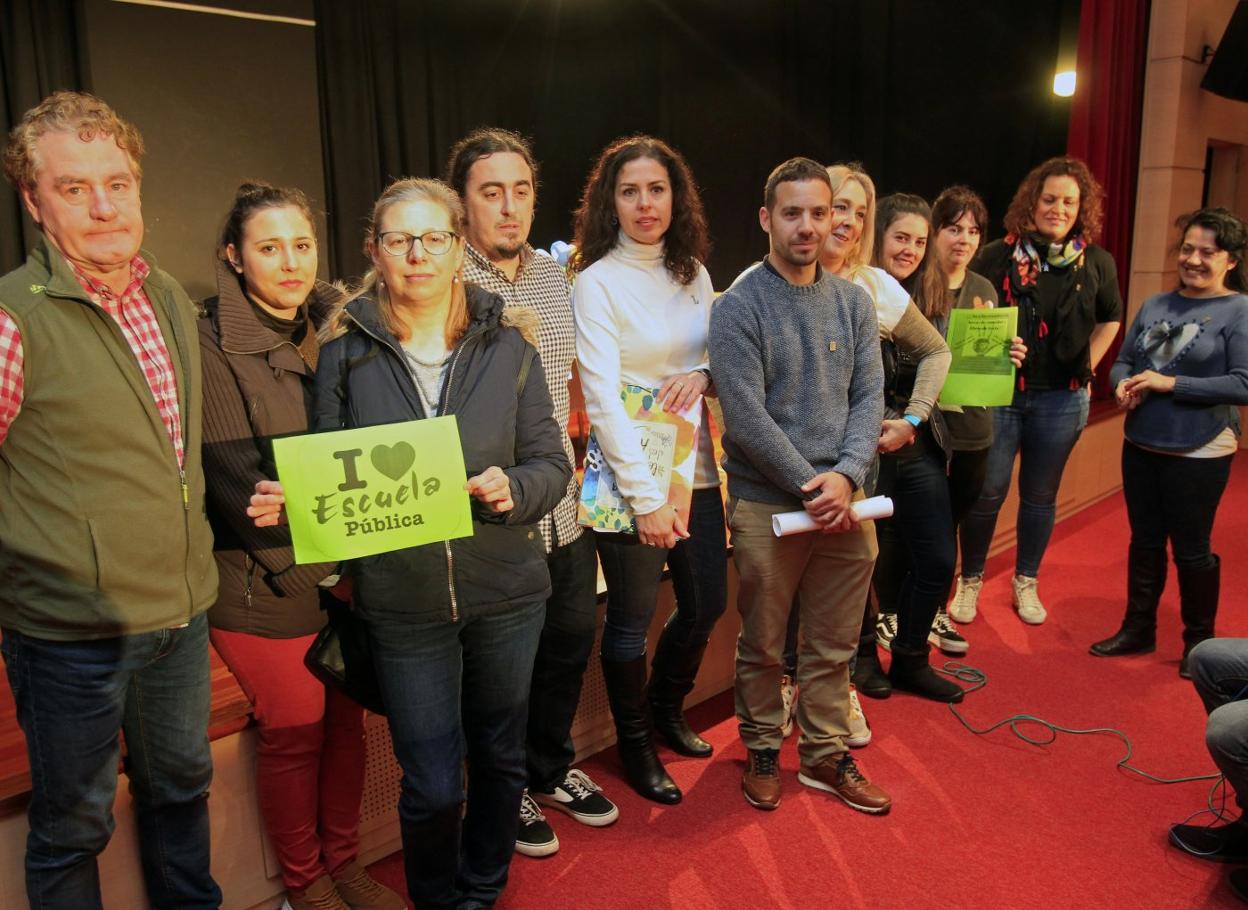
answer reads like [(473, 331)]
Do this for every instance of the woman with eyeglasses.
[(1182, 375), (453, 626), (259, 345), (642, 305)]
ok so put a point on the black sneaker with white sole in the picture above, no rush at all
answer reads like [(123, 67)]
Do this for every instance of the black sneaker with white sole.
[(886, 630), (535, 837), (580, 798), (946, 637)]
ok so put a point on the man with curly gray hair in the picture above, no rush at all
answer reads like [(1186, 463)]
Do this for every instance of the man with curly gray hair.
[(105, 551)]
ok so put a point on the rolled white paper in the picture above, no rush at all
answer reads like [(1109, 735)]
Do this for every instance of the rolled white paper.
[(786, 523)]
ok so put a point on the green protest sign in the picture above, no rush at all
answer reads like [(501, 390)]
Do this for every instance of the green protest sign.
[(981, 373), (360, 492)]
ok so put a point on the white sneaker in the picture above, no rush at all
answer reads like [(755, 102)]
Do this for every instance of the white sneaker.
[(886, 630), (965, 600), (788, 697), (859, 729), (1027, 600)]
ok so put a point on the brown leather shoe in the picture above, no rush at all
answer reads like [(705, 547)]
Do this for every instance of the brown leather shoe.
[(320, 895), (761, 781), (360, 891), (839, 775)]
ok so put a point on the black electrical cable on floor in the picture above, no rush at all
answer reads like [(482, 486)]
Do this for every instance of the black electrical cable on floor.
[(977, 679)]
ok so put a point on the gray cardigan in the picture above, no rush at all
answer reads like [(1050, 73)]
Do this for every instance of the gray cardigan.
[(799, 376)]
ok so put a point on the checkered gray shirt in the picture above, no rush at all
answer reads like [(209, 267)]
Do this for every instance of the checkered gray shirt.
[(541, 283)]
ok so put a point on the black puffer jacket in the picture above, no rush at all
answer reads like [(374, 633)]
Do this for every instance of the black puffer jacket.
[(362, 380)]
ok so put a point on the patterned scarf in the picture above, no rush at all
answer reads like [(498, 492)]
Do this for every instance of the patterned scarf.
[(1027, 264)]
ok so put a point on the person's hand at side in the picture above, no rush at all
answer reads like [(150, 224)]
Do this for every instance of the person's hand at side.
[(895, 434)]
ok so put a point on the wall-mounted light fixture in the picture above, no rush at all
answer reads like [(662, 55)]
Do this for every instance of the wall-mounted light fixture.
[(1064, 83)]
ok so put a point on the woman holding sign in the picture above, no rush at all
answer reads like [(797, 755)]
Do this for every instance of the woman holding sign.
[(959, 219), (1182, 375), (642, 304), (259, 345), (454, 624), (1069, 310)]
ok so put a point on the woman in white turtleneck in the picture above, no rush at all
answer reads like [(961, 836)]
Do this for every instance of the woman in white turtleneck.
[(642, 303)]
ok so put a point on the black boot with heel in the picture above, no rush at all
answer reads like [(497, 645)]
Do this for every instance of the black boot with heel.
[(626, 687), (672, 675)]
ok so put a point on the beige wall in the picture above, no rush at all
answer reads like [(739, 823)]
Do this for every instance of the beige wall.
[(1180, 122)]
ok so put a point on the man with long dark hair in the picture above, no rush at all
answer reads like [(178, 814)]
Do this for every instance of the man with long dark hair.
[(495, 174)]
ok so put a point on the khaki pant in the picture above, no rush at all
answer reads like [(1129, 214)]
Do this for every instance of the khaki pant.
[(832, 573)]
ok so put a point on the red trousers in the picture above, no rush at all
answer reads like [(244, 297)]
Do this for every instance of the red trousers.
[(310, 757)]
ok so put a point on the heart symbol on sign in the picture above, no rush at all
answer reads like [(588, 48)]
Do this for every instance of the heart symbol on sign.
[(393, 461)]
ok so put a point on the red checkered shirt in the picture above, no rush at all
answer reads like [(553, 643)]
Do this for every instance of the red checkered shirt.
[(134, 314)]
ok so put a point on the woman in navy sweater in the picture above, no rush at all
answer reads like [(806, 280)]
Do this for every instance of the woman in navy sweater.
[(1181, 373)]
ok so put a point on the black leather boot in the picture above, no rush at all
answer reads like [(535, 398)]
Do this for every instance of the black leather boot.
[(869, 675), (626, 685), (910, 672), (1146, 579), (1198, 605), (672, 675)]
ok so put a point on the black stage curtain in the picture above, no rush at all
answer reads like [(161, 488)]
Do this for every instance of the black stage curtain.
[(924, 94), (39, 53)]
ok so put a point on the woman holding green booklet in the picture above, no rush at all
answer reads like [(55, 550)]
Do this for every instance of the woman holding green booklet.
[(1066, 291), (642, 304)]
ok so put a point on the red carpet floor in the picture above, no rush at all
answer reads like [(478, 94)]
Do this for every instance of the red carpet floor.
[(978, 821)]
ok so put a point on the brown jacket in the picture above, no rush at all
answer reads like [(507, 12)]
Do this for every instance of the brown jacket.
[(255, 387)]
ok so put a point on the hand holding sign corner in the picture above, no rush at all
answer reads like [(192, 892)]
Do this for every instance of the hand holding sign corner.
[(353, 493)]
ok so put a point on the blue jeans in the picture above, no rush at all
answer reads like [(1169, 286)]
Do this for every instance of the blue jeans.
[(454, 692), (633, 572), (72, 698), (1041, 428), (1220, 673)]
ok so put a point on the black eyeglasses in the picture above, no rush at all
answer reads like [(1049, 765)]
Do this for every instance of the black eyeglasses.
[(399, 243)]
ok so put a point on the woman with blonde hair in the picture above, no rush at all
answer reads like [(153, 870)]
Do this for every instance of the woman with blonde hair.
[(913, 443), (453, 626)]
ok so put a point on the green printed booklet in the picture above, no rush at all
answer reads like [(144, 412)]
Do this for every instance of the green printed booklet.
[(670, 441), (981, 374), (354, 493)]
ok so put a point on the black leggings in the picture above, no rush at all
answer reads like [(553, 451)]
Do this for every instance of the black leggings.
[(1173, 497)]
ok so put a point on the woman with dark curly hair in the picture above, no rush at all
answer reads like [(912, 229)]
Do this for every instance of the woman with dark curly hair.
[(642, 304), (1181, 375), (1069, 310)]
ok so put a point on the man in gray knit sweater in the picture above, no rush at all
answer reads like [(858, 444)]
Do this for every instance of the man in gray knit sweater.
[(795, 355)]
